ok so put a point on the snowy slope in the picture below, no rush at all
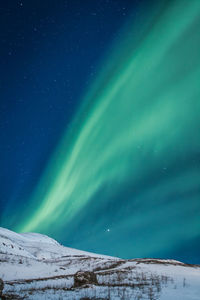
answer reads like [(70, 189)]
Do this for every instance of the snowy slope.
[(34, 266), (36, 245)]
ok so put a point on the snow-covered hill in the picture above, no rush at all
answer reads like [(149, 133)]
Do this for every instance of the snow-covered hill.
[(34, 266)]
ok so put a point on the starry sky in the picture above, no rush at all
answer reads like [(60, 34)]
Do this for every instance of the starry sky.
[(99, 126)]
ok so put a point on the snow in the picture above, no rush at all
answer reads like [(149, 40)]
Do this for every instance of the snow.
[(38, 246), (37, 267)]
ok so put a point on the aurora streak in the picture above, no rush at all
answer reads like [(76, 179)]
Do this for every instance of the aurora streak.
[(128, 151)]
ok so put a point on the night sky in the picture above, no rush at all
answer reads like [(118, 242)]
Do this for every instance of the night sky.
[(100, 125)]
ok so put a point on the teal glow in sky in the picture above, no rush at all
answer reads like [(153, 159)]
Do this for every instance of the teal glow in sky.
[(125, 178)]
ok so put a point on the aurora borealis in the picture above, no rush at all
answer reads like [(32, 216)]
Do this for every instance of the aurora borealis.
[(124, 178)]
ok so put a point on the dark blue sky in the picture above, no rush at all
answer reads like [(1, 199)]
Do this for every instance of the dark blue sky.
[(136, 163), (49, 54)]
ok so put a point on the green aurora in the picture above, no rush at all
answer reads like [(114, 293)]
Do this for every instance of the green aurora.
[(128, 162)]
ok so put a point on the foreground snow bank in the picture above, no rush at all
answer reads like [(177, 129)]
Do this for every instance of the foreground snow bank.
[(34, 266)]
